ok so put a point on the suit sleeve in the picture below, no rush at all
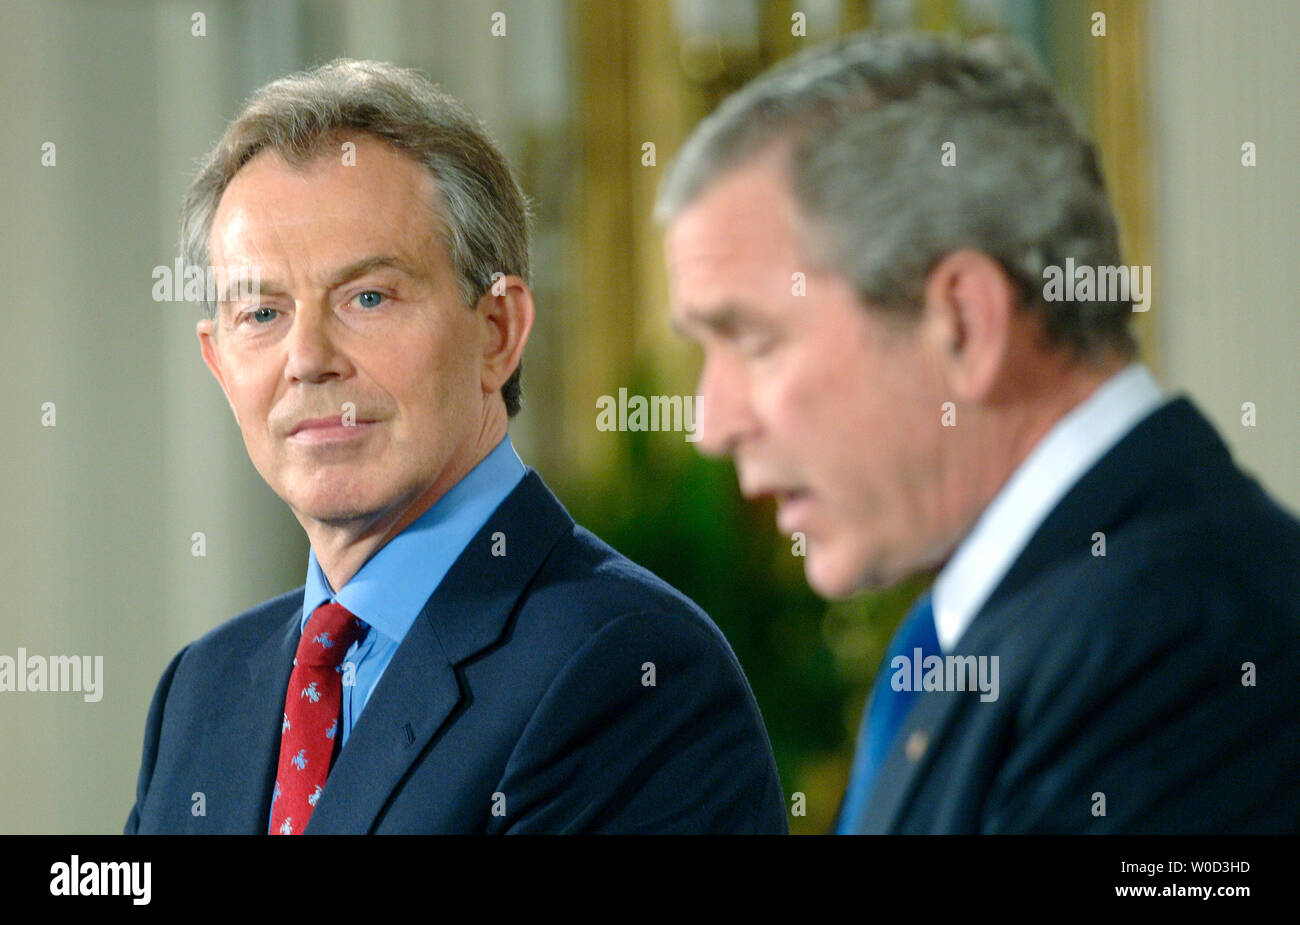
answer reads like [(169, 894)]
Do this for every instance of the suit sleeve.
[(1150, 722), (649, 727), (152, 731)]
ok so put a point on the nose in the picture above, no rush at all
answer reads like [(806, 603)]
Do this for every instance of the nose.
[(312, 354), (725, 414)]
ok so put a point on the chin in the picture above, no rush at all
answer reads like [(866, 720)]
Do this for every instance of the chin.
[(336, 514), (832, 580), (335, 507)]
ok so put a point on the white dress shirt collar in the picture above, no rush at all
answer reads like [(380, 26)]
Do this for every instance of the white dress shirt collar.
[(1065, 453)]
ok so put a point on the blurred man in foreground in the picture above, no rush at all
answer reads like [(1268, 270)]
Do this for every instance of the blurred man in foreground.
[(899, 258)]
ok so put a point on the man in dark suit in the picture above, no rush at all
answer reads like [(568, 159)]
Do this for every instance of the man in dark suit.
[(900, 260), (462, 657)]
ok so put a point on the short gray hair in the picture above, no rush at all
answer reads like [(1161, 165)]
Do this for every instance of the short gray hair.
[(865, 120), (481, 214)]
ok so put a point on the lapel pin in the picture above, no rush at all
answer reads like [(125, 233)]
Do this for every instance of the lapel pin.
[(916, 745)]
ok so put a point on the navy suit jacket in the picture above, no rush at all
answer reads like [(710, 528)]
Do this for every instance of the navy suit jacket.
[(1121, 677), (523, 687)]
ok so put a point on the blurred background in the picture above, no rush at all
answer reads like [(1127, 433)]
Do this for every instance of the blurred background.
[(99, 511)]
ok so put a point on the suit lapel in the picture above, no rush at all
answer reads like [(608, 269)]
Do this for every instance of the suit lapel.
[(917, 740), (240, 785), (414, 697), (419, 690)]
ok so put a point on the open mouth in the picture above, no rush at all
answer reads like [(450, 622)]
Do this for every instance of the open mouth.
[(792, 508)]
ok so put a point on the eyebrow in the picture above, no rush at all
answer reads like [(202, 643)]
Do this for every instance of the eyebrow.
[(722, 319), (354, 270)]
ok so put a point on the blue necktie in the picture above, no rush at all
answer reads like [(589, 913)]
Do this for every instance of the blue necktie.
[(886, 710)]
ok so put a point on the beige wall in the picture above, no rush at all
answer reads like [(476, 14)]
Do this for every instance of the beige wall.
[(1229, 328)]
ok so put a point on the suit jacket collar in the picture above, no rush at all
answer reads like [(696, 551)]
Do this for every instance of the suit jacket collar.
[(1168, 443), (469, 611)]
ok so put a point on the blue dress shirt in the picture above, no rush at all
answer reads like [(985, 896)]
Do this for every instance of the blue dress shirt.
[(391, 589)]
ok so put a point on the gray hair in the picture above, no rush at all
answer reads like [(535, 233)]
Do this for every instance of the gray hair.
[(481, 214), (865, 120)]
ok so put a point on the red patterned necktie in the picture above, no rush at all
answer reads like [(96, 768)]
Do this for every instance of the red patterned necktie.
[(311, 716)]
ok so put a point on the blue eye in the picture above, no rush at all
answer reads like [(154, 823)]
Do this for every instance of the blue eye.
[(263, 314), (371, 294)]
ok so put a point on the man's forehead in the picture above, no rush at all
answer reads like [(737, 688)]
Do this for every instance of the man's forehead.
[(716, 265), (268, 235), (744, 216), (376, 184), (280, 210)]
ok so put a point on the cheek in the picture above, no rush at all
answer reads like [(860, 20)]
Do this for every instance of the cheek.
[(805, 400), (836, 421), (249, 380), (252, 392), (431, 386)]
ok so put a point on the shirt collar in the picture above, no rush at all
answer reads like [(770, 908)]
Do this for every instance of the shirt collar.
[(1073, 445), (392, 587)]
